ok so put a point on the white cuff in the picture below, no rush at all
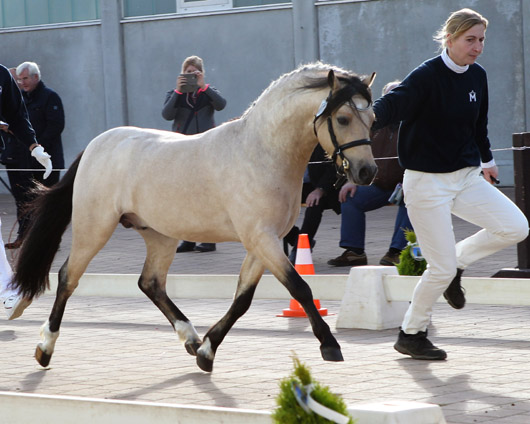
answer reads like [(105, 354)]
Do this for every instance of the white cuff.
[(489, 164)]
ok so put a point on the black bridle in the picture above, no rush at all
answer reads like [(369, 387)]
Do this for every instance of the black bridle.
[(338, 149)]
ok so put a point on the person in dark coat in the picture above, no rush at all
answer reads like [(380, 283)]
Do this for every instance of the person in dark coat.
[(16, 158), (319, 194), (191, 106), (14, 119), (46, 115)]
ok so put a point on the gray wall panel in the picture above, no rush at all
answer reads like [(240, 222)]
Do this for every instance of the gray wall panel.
[(239, 59), (245, 50), (70, 63), (392, 37)]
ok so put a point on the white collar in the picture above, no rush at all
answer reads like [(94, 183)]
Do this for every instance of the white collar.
[(452, 65)]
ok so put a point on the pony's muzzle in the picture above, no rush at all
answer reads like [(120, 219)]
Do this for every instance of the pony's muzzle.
[(362, 174)]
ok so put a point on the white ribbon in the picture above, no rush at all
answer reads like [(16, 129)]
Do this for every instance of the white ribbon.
[(308, 404)]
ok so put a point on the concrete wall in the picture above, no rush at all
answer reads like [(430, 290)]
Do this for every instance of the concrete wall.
[(239, 60), (71, 63), (113, 72), (392, 37)]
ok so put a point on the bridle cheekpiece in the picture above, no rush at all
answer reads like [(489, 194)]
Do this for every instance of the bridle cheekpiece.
[(325, 108)]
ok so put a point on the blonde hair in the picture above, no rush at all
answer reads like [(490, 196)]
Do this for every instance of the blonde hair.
[(457, 23), (194, 61)]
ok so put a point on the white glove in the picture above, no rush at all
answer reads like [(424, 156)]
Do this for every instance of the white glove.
[(44, 159)]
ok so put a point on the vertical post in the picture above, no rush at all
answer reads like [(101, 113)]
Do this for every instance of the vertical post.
[(305, 31), (521, 170), (522, 191), (113, 63)]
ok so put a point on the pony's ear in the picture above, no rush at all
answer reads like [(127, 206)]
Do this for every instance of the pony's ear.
[(369, 80), (333, 81)]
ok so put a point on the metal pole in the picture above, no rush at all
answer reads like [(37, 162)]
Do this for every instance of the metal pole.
[(522, 191), (521, 170)]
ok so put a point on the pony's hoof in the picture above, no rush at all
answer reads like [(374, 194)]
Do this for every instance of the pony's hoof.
[(204, 364), (42, 357), (192, 348), (331, 354)]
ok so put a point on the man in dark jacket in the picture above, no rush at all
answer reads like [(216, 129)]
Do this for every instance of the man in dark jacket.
[(319, 194), (46, 115), (14, 119)]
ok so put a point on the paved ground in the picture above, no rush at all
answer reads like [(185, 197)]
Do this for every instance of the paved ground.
[(122, 348)]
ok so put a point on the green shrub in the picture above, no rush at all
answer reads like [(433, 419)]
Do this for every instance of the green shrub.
[(290, 412), (407, 264)]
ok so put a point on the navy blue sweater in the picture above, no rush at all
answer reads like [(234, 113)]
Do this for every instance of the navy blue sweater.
[(443, 115), (13, 110)]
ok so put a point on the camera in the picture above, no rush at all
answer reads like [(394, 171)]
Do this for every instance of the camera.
[(191, 83), (397, 195)]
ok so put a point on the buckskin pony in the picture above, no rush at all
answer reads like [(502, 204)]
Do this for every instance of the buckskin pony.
[(240, 181)]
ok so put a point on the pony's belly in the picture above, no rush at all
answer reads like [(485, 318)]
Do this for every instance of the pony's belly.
[(199, 231)]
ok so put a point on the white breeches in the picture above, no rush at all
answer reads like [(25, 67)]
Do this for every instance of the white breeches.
[(6, 274), (430, 200)]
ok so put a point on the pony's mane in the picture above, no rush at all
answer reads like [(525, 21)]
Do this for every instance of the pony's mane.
[(314, 76)]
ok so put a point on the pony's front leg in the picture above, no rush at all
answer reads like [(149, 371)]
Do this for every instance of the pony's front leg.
[(251, 272), (277, 263), (301, 292)]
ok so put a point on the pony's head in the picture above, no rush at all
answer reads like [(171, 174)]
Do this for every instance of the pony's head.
[(342, 124)]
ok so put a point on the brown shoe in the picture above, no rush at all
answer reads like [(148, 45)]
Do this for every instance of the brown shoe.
[(14, 245), (390, 259), (349, 258)]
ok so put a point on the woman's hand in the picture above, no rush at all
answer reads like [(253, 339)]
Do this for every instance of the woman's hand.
[(181, 82), (491, 174), (200, 79)]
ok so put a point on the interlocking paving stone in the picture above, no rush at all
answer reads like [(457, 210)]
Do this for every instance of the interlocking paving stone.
[(123, 348)]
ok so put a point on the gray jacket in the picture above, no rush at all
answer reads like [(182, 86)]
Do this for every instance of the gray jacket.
[(192, 113)]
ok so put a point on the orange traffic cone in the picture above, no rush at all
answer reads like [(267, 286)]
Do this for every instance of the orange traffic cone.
[(304, 266)]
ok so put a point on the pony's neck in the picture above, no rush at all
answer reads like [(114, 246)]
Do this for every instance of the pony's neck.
[(283, 118)]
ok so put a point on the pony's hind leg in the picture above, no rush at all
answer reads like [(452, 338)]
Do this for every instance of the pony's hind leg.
[(160, 253), (251, 272), (50, 329), (84, 248)]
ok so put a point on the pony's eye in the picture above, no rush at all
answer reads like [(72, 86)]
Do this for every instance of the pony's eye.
[(342, 120)]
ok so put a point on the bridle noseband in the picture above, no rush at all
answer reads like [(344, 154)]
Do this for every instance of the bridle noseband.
[(338, 149)]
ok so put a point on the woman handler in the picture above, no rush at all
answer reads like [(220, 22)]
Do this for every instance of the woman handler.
[(443, 145)]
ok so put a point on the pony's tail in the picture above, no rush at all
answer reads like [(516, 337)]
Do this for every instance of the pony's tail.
[(49, 212)]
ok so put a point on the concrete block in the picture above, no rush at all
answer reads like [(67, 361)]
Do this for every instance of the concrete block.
[(47, 409), (365, 303), (397, 412)]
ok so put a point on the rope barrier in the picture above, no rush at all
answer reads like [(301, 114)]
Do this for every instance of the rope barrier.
[(310, 163), (395, 157), (32, 169)]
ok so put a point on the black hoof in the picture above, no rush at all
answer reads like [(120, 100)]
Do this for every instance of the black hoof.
[(192, 348), (204, 364), (42, 358), (331, 354)]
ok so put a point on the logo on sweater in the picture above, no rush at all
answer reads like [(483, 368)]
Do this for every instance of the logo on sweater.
[(472, 96)]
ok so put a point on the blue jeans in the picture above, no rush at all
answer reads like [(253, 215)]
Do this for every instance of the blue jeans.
[(353, 221)]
